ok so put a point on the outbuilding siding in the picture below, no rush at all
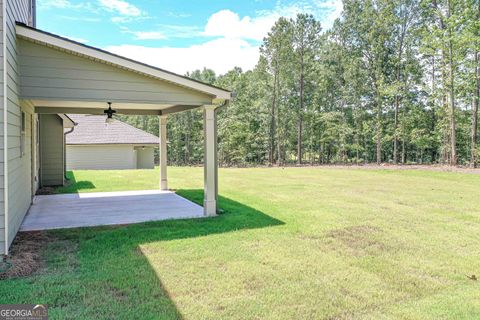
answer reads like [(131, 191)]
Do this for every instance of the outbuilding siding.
[(101, 157), (145, 158)]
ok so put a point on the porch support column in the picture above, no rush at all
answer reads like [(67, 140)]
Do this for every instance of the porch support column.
[(163, 152), (210, 169)]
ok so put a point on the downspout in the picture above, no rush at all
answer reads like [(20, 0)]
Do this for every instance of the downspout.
[(5, 125), (65, 151)]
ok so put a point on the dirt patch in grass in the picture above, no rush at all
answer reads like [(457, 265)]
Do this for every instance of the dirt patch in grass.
[(26, 254), (360, 239)]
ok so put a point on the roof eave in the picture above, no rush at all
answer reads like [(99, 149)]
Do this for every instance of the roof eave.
[(54, 40)]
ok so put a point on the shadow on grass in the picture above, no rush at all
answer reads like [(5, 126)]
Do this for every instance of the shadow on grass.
[(114, 271), (74, 186)]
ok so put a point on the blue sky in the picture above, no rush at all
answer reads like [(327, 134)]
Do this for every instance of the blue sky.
[(177, 35)]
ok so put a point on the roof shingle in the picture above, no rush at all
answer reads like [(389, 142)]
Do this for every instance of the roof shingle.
[(92, 129)]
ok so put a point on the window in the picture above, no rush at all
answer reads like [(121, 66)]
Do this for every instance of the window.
[(23, 126)]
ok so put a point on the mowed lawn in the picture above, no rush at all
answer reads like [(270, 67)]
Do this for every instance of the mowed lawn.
[(294, 243)]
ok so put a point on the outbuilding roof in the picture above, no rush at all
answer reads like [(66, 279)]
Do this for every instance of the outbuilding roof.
[(92, 129)]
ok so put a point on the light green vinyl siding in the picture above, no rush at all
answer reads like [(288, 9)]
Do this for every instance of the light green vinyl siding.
[(19, 172), (2, 147), (19, 165), (50, 74), (51, 150)]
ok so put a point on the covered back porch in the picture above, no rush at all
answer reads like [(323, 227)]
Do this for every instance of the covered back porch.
[(91, 209), (58, 76)]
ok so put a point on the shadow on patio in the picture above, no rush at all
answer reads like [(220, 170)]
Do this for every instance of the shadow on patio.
[(107, 262)]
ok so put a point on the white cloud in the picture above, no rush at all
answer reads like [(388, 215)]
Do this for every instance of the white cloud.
[(85, 19), (220, 55), (56, 3), (232, 48), (165, 32), (148, 35), (179, 15), (226, 23), (236, 36), (121, 7), (64, 4)]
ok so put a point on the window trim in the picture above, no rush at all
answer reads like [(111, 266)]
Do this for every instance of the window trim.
[(23, 129)]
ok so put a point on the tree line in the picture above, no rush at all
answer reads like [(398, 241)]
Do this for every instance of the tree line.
[(393, 81)]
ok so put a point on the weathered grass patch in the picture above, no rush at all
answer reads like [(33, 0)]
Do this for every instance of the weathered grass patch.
[(27, 254)]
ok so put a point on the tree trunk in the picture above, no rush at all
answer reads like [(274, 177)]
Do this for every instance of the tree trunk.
[(476, 99), (451, 91), (300, 115), (434, 120), (365, 152), (433, 153), (271, 153), (453, 125), (379, 134), (446, 145), (395, 129), (280, 140), (357, 147), (320, 155), (397, 97)]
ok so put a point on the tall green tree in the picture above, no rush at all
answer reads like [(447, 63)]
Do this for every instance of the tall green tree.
[(306, 42), (391, 81)]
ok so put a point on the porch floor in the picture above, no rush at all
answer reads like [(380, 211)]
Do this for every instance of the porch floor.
[(106, 208)]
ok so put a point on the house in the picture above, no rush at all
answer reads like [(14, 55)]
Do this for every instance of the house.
[(94, 144), (45, 76)]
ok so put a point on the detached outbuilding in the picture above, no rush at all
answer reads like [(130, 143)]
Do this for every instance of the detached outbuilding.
[(96, 145)]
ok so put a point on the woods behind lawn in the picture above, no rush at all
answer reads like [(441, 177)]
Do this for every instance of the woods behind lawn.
[(294, 243)]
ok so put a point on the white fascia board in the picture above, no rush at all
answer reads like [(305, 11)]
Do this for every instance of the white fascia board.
[(104, 56), (149, 145), (67, 122)]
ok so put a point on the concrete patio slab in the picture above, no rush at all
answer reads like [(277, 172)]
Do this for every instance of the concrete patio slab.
[(106, 208)]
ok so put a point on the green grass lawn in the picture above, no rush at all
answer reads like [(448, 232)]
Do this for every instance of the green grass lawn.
[(296, 243)]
